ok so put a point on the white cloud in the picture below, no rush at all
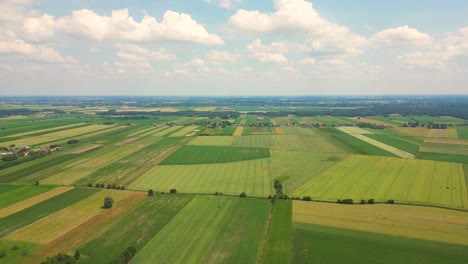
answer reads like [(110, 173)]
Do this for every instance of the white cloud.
[(268, 57), (121, 26), (307, 61), (226, 4), (133, 52), (219, 56), (400, 36), (10, 43)]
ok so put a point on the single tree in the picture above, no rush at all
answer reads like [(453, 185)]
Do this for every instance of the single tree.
[(243, 194), (150, 192), (108, 202), (173, 191), (77, 255)]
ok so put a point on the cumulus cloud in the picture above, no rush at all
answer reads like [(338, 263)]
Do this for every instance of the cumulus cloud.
[(121, 26), (11, 44), (226, 4), (133, 52), (269, 57), (400, 36), (220, 56), (307, 61)]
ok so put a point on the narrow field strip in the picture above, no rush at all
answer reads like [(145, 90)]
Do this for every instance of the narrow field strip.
[(212, 141), (32, 201), (11, 196), (425, 223), (59, 223), (47, 129), (238, 132), (354, 130), (83, 150), (167, 130), (184, 131), (38, 211), (86, 230), (398, 152)]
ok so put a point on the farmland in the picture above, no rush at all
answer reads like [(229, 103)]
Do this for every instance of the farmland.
[(205, 183), (406, 181)]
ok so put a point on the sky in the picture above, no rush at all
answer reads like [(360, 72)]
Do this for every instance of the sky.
[(233, 47)]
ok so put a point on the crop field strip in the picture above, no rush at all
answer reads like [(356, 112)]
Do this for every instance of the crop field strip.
[(90, 229), (238, 132), (129, 168), (23, 204), (48, 130), (278, 247), (212, 235), (184, 131), (57, 224), (17, 194), (27, 125), (57, 136), (250, 176), (38, 211), (397, 142), (444, 148), (214, 154), (408, 181), (319, 244), (426, 223), (14, 255), (212, 141), (86, 166), (166, 131)]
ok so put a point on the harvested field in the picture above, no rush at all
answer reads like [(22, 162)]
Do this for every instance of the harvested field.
[(418, 222), (239, 131), (412, 131), (166, 131), (444, 148), (63, 221), (130, 140), (354, 130), (211, 141), (83, 150), (32, 201), (446, 141), (46, 130), (279, 131), (372, 121), (442, 133), (383, 178), (299, 131)]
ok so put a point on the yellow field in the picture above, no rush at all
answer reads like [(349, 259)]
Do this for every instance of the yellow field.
[(418, 222), (57, 136), (354, 130), (412, 131), (163, 132), (239, 131), (273, 122), (446, 141), (442, 133), (212, 141), (130, 140), (184, 131), (32, 201), (279, 131), (205, 109), (61, 222)]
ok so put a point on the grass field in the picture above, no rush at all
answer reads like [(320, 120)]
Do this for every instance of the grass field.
[(214, 154), (32, 214), (297, 168), (166, 131), (355, 145), (442, 133), (397, 142), (426, 223), (289, 142), (23, 203), (227, 131), (462, 132), (250, 176), (443, 157), (12, 256), (61, 222), (444, 148), (12, 196), (46, 130), (319, 244), (212, 141), (298, 131), (383, 178), (136, 228), (278, 248), (204, 232)]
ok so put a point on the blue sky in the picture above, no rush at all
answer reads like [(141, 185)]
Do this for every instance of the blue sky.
[(233, 47)]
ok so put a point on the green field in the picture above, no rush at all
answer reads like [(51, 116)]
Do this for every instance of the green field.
[(24, 248), (278, 248), (443, 157), (226, 131), (19, 194), (357, 145), (299, 131), (250, 176), (288, 142), (319, 244), (462, 132), (211, 154), (31, 214), (136, 228), (383, 178), (210, 230), (397, 142)]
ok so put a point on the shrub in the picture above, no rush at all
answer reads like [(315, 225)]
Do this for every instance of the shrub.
[(122, 188), (391, 201), (72, 141), (371, 201), (14, 247), (102, 185), (172, 191), (243, 194), (150, 192), (90, 185), (363, 201), (60, 258), (2, 253), (306, 198), (338, 201), (77, 255), (109, 186), (347, 201)]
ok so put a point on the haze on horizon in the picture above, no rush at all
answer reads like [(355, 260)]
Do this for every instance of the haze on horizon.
[(233, 47)]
